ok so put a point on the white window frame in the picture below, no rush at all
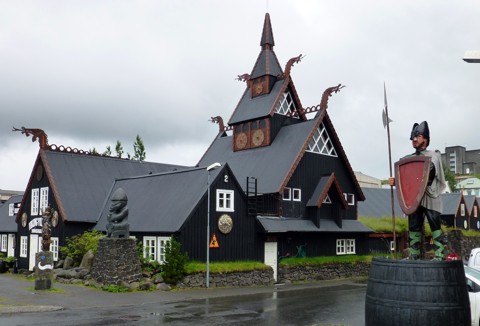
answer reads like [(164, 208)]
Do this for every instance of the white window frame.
[(287, 106), (321, 143), (162, 242), (287, 193), (154, 248), (350, 246), (34, 202), (4, 243), (225, 200), (23, 246), (296, 194), (346, 247), (341, 247), (350, 198), (150, 248), (475, 211), (43, 199), (54, 247), (11, 209), (462, 209)]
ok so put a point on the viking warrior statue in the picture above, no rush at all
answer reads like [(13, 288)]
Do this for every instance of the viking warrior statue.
[(430, 205)]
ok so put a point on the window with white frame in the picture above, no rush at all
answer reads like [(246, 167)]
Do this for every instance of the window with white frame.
[(162, 242), (341, 250), (225, 200), (297, 194), (150, 248), (4, 242), (154, 248), (11, 209), (286, 105), (350, 198), (350, 246), (23, 246), (345, 246), (475, 211), (321, 143), (34, 202), (294, 194), (43, 199), (54, 247), (462, 209)]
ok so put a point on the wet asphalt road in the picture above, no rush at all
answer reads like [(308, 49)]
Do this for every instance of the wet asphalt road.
[(323, 303)]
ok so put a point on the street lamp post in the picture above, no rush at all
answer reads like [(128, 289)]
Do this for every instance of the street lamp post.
[(209, 168)]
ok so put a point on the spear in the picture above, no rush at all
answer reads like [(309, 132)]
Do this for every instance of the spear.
[(386, 123)]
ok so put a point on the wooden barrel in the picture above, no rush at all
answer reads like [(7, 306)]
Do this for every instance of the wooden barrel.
[(416, 292)]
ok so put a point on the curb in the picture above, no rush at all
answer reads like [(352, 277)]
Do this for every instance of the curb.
[(23, 309)]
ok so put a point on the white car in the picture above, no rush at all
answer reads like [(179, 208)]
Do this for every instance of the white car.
[(474, 258), (472, 276)]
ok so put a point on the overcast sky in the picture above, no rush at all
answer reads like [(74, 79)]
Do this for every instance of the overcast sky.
[(90, 73)]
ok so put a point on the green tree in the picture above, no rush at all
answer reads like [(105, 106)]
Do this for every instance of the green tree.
[(175, 262), (108, 151), (119, 149), (139, 149), (450, 178)]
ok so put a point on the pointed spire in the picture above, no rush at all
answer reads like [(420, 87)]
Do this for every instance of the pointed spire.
[(267, 41), (267, 62)]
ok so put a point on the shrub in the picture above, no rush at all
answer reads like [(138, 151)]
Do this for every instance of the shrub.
[(148, 264), (78, 245), (175, 262), (113, 288)]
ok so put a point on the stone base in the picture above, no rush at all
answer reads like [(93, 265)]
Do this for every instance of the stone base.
[(43, 270), (116, 261), (43, 284)]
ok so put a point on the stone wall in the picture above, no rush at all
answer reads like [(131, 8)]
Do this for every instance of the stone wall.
[(286, 274), (289, 274), (460, 244), (235, 279), (116, 261)]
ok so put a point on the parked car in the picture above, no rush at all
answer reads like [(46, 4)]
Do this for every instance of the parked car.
[(472, 276), (473, 260)]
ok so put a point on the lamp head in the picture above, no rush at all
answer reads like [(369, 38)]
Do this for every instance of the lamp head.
[(213, 166)]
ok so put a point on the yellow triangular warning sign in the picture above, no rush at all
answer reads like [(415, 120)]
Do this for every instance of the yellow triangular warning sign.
[(214, 242)]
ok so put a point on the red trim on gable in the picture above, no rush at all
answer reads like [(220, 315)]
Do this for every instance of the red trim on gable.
[(332, 180), (54, 188)]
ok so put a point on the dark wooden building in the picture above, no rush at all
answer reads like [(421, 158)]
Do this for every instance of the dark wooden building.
[(75, 185), (175, 204), (285, 186), (472, 207), (299, 183), (455, 212)]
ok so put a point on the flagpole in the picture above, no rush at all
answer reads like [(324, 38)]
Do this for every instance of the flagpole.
[(387, 123)]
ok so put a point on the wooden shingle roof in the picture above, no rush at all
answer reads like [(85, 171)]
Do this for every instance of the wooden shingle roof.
[(161, 202)]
